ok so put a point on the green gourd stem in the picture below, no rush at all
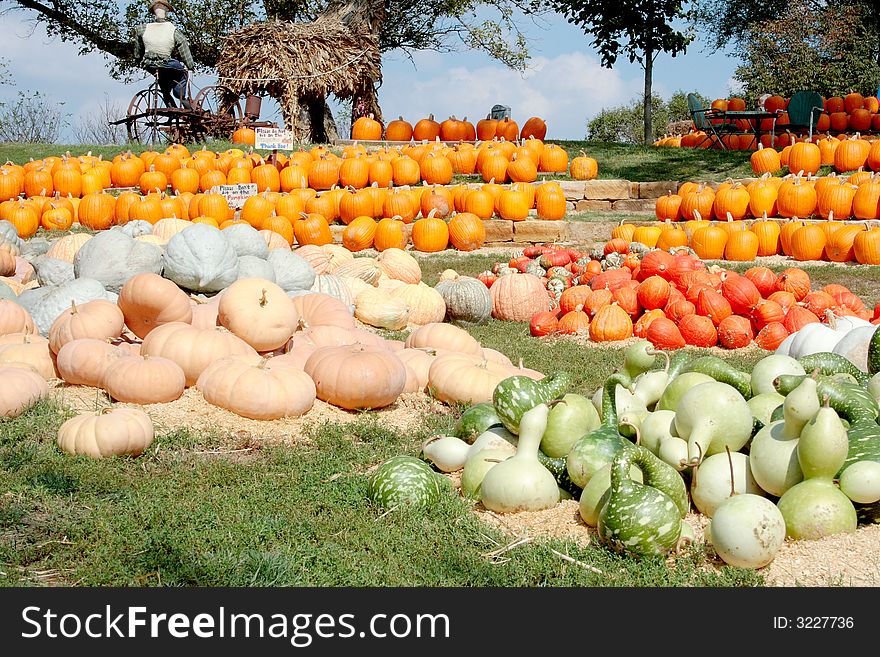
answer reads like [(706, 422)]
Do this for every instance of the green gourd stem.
[(609, 400), (665, 354), (662, 476)]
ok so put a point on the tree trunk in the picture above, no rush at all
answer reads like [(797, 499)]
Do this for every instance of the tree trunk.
[(649, 74), (314, 122)]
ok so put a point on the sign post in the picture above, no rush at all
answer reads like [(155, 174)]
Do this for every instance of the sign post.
[(273, 139)]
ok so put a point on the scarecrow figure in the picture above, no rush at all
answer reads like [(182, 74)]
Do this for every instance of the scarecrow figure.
[(156, 43)]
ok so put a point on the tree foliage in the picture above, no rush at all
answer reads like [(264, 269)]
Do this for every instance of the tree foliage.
[(625, 123), (409, 25), (728, 23), (32, 118), (639, 30), (828, 50)]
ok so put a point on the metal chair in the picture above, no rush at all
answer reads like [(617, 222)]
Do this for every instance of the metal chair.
[(702, 118), (804, 110)]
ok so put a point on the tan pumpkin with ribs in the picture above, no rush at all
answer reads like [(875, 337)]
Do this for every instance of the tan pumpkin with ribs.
[(259, 312), (147, 300), (15, 319), (31, 350), (21, 389), (357, 376), (318, 309), (457, 378), (144, 380), (399, 265), (111, 432), (438, 335), (99, 319), (84, 361), (258, 388), (192, 348)]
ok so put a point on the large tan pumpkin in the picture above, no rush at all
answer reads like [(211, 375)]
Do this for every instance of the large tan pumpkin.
[(318, 309), (84, 361), (364, 268), (99, 319), (15, 319), (29, 350), (425, 304), (379, 309), (258, 388), (259, 312), (194, 349), (400, 265), (444, 336), (67, 247), (112, 432), (148, 300), (204, 314), (357, 376), (144, 380), (21, 389), (465, 379), (517, 297)]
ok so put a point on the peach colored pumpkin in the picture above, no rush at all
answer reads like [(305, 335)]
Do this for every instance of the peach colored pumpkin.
[(465, 379), (444, 336), (84, 361), (15, 319), (111, 432), (147, 300), (399, 265), (318, 309), (516, 297), (30, 350), (259, 312), (379, 309), (144, 380), (21, 389), (258, 388), (357, 376), (426, 305), (192, 348), (99, 319), (418, 362)]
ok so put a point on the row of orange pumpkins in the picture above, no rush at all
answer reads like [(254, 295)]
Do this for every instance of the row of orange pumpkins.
[(855, 196), (743, 241), (853, 153)]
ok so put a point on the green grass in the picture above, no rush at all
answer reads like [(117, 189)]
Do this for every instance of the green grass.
[(280, 517)]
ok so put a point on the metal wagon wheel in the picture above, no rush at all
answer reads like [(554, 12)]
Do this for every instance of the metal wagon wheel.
[(146, 124), (224, 105)]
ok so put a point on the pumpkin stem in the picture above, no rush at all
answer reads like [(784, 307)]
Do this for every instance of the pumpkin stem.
[(73, 309), (263, 299)]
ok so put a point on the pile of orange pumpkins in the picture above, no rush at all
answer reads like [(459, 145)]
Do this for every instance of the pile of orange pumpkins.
[(671, 299), (816, 209), (842, 115), (367, 128), (374, 194)]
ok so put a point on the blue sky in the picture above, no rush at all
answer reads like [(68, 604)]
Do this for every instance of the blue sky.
[(564, 84)]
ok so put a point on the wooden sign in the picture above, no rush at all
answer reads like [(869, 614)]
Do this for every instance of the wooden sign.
[(273, 139), (236, 195)]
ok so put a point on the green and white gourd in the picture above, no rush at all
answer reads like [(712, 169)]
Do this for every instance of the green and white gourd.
[(517, 394), (712, 417), (639, 519), (773, 451), (815, 507), (403, 481), (573, 417)]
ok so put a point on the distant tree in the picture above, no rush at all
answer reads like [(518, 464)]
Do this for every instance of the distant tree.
[(639, 29), (95, 127), (32, 118), (828, 50), (624, 124), (728, 23)]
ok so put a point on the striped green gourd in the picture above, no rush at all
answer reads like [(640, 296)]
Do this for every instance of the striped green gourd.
[(404, 481), (829, 363), (476, 420), (722, 371), (874, 353), (597, 448), (638, 519), (851, 401), (517, 394)]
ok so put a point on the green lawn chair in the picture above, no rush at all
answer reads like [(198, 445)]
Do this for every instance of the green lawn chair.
[(702, 118), (804, 110)]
